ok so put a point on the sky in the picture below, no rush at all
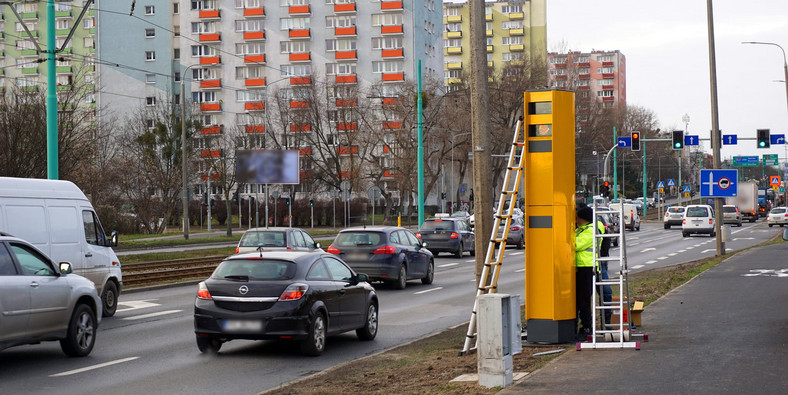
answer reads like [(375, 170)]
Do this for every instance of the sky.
[(666, 45)]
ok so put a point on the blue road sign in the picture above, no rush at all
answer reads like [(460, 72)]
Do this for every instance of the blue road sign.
[(685, 188), (691, 140), (625, 141), (777, 138), (729, 139), (671, 182), (719, 183), (660, 184)]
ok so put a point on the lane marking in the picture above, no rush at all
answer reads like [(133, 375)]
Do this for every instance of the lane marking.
[(449, 264), (89, 368), (698, 245), (662, 258), (470, 260), (681, 251), (151, 315), (427, 290), (637, 267), (649, 249), (689, 248), (744, 238), (709, 250), (516, 253), (136, 304), (650, 262), (519, 270), (673, 254)]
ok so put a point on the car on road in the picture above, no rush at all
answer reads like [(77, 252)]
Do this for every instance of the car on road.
[(44, 301), (302, 296), (611, 224), (276, 239), (631, 216), (385, 253), (674, 215), (516, 235), (731, 215), (447, 235), (699, 218), (778, 216), (464, 215)]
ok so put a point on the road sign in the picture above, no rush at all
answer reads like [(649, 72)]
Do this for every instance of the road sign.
[(745, 161), (685, 188), (624, 141), (275, 194), (373, 192), (661, 190), (770, 159), (660, 184), (777, 138), (782, 190), (686, 194), (729, 139), (344, 186), (718, 183), (774, 180), (691, 140), (671, 182)]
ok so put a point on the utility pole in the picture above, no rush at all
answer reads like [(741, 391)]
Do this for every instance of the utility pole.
[(715, 126), (480, 133)]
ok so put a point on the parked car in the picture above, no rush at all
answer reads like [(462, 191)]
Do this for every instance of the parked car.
[(44, 301), (516, 234), (731, 215), (447, 235), (699, 218), (303, 296), (611, 224), (674, 215), (778, 216), (385, 253), (276, 239)]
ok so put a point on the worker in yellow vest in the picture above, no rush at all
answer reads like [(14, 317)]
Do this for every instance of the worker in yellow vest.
[(584, 262)]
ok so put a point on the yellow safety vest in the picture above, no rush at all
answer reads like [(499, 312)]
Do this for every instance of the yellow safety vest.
[(584, 246)]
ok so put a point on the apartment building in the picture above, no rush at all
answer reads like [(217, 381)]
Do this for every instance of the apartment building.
[(516, 31), (600, 74)]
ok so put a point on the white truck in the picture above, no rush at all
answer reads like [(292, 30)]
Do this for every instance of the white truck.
[(57, 218), (746, 200)]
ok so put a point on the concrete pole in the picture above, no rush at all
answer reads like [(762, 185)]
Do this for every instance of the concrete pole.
[(715, 125), (480, 133), (185, 187)]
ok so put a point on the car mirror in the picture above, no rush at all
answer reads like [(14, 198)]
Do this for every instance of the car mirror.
[(318, 245), (113, 239), (785, 234), (65, 267), (423, 244), (362, 278)]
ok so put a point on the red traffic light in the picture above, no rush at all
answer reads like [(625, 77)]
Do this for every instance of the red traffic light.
[(607, 183)]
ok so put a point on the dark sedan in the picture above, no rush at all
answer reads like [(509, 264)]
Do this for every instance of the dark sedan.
[(388, 253), (303, 296), (448, 235)]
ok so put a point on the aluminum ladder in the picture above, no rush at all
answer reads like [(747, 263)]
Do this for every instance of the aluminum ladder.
[(488, 280)]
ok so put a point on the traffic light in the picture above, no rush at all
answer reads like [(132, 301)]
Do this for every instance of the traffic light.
[(605, 188), (311, 203), (287, 201), (678, 139), (763, 138), (635, 141), (443, 195)]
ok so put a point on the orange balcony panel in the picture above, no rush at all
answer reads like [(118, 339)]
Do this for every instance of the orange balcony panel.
[(390, 173), (254, 35), (607, 86), (345, 174), (210, 37), (210, 60), (347, 126), (211, 153), (254, 106), (607, 75), (392, 125), (254, 82), (300, 127), (584, 76), (346, 79), (254, 58), (346, 103), (386, 149), (254, 11), (206, 84), (584, 88), (394, 77), (210, 107), (561, 77), (349, 7), (390, 5), (390, 101), (345, 31), (299, 104), (560, 65), (296, 33), (300, 57), (347, 150), (298, 9), (305, 151), (585, 64), (392, 29), (393, 53), (255, 128), (216, 129), (607, 64), (300, 80), (304, 175), (209, 14), (345, 54), (214, 177), (608, 98)]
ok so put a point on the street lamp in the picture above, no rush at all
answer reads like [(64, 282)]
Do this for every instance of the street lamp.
[(785, 62), (185, 197), (453, 187)]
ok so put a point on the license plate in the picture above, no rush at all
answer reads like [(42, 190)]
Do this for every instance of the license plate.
[(357, 257), (242, 325)]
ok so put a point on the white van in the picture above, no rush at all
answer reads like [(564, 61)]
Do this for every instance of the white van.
[(57, 218), (631, 217)]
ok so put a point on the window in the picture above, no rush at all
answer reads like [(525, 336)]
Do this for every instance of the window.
[(30, 26), (251, 95), (298, 70), (62, 24), (606, 81), (386, 42), (32, 263), (248, 3), (604, 70), (605, 93), (452, 74), (61, 6), (512, 40), (452, 42), (150, 56), (340, 68), (293, 23), (26, 7), (87, 42), (512, 25), (150, 33), (203, 27), (26, 81), (452, 11), (176, 53), (341, 45), (294, 46), (453, 27), (150, 101), (150, 10), (507, 57), (286, 3), (510, 8), (24, 44), (249, 48), (204, 97), (203, 50), (340, 21), (242, 73), (388, 67), (251, 25), (94, 234), (176, 8), (582, 59), (386, 19), (88, 23), (605, 58), (338, 270)]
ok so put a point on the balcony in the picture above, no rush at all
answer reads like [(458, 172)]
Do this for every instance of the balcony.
[(346, 79), (299, 104), (346, 103), (342, 8), (391, 6), (28, 52), (31, 88), (300, 80), (453, 35), (392, 125), (607, 64), (255, 128), (516, 48), (345, 126), (61, 32), (210, 38), (390, 77), (254, 82), (607, 75), (488, 33), (211, 107), (254, 12), (584, 64), (560, 65), (206, 60), (345, 31), (608, 98), (216, 176), (453, 81), (607, 87), (209, 14), (345, 55), (393, 53), (63, 69), (254, 106), (28, 15), (305, 151), (454, 66), (252, 36), (254, 58), (391, 29), (63, 88), (516, 32), (211, 84), (30, 70), (391, 174), (516, 16), (299, 33), (488, 17), (298, 10), (300, 57), (213, 129), (390, 101), (454, 19), (561, 77), (347, 150), (584, 76), (215, 153), (453, 50), (300, 127), (63, 14), (490, 49)]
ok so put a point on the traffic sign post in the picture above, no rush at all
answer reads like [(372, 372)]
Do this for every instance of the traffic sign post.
[(770, 159), (743, 161), (717, 183)]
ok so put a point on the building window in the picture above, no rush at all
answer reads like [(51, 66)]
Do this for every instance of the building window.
[(510, 8), (294, 23), (340, 68), (150, 56), (251, 25), (386, 19), (386, 42), (388, 67), (176, 53), (340, 21), (150, 10), (299, 46), (62, 24), (150, 101), (299, 70), (340, 45), (150, 123), (251, 95), (512, 40), (150, 33), (452, 42), (512, 25), (176, 8), (150, 78), (452, 11), (89, 23)]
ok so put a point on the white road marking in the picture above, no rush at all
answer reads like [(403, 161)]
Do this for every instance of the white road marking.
[(427, 290), (650, 262), (637, 267), (648, 249), (136, 304), (673, 254), (744, 238), (449, 264), (709, 250), (516, 253), (689, 248), (89, 368), (698, 245), (681, 251), (519, 270), (471, 260), (662, 258), (151, 315)]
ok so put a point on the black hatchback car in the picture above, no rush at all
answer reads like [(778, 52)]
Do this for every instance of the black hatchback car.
[(303, 296), (387, 253), (448, 235)]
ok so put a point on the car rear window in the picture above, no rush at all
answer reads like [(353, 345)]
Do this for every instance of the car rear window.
[(255, 269), (729, 209), (697, 212), (676, 210), (778, 211), (437, 224), (263, 239), (360, 238)]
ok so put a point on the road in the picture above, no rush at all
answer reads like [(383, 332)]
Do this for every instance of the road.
[(149, 346)]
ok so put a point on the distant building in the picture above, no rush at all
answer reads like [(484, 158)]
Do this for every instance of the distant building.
[(600, 74)]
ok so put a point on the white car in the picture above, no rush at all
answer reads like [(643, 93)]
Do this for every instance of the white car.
[(778, 216), (673, 216), (699, 218)]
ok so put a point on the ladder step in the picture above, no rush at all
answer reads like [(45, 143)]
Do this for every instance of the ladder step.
[(609, 282), (607, 259), (610, 235)]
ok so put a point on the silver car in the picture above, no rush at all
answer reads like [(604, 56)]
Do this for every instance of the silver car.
[(674, 216), (516, 234), (42, 301), (276, 239), (778, 216), (731, 215)]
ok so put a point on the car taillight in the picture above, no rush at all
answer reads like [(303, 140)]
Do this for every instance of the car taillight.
[(237, 249), (454, 235), (333, 250), (684, 221), (514, 228), (667, 214), (710, 220), (202, 292), (385, 250), (294, 292), (418, 235)]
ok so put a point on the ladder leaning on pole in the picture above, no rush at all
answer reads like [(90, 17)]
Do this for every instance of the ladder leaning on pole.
[(488, 281)]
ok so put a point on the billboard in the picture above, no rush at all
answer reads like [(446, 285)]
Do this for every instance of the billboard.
[(267, 166)]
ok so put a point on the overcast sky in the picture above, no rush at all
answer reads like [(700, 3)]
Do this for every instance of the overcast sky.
[(667, 54)]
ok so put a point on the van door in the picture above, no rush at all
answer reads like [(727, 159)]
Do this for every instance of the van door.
[(96, 257), (14, 299)]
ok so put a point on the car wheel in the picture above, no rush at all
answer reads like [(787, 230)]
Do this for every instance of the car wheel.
[(667, 226), (208, 344), (521, 243), (81, 333), (638, 227), (402, 280), (370, 328), (109, 299), (459, 251), (473, 251), (739, 223), (315, 342), (430, 273), (684, 234)]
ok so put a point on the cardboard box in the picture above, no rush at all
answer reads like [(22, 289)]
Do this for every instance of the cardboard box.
[(637, 309)]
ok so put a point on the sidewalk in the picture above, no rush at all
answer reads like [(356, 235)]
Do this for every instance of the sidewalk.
[(724, 331)]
